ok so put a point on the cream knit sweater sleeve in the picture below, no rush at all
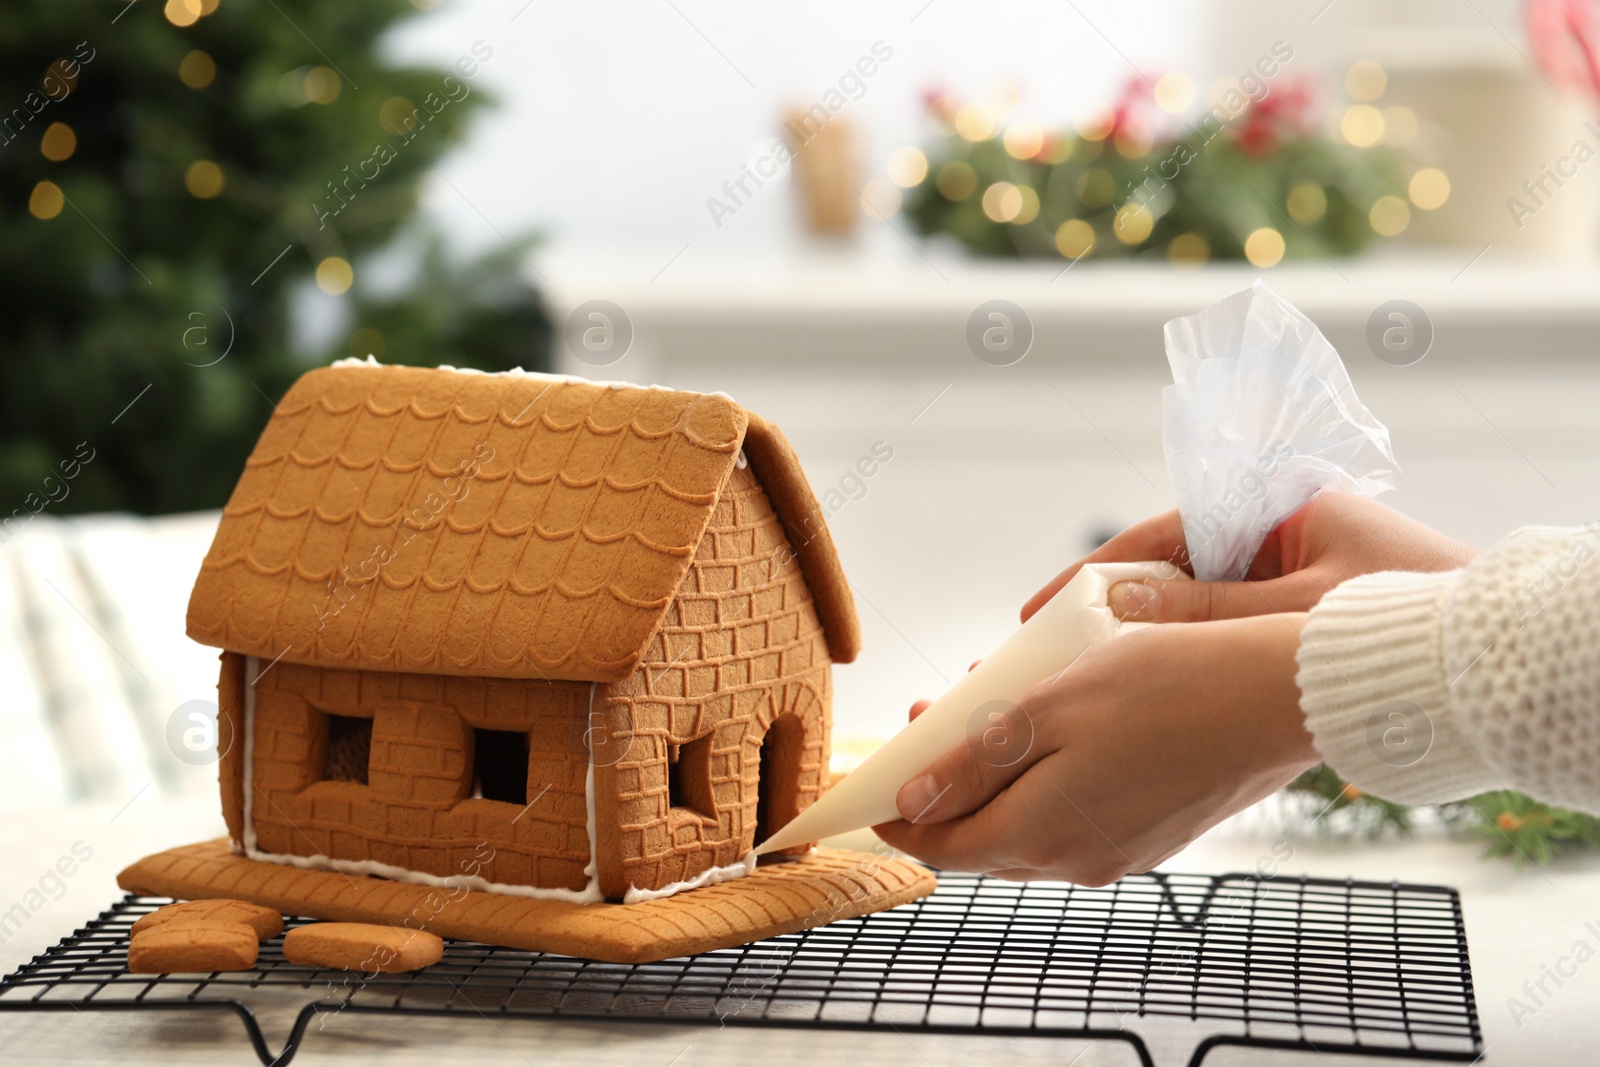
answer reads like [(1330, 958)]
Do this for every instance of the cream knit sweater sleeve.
[(1425, 688)]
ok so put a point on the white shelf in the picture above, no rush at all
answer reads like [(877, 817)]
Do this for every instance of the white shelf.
[(824, 304)]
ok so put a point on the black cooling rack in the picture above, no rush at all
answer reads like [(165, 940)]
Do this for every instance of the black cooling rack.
[(1309, 964)]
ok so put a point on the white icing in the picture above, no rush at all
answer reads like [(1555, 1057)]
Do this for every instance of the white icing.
[(712, 876), (518, 372), (251, 672), (593, 869)]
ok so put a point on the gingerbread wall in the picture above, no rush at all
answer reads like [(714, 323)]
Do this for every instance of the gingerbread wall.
[(740, 645), (415, 811)]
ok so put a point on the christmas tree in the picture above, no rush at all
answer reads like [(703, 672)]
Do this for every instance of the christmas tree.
[(174, 171)]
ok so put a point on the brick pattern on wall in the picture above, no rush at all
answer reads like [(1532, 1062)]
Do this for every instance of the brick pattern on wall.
[(740, 645), (416, 812)]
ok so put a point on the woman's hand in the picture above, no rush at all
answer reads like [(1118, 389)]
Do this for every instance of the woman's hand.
[(1334, 537), (1128, 755)]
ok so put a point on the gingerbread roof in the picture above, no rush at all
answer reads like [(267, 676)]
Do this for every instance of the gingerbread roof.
[(504, 525)]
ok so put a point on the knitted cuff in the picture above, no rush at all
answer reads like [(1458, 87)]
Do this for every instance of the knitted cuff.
[(1374, 692)]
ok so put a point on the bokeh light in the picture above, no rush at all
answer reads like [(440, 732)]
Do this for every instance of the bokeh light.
[(1362, 125), (1389, 216), (1002, 202), (1132, 142), (398, 115), (46, 201), (907, 166), (975, 122), (1074, 238), (1133, 223), (1024, 139), (321, 85), (58, 142), (1174, 93), (1365, 80), (957, 180), (1030, 205), (204, 179), (334, 276), (1264, 247), (1429, 188), (197, 70), (1188, 250), (1307, 203), (183, 12)]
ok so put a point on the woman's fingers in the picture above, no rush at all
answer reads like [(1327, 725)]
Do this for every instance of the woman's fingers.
[(919, 707), (1157, 600), (1029, 831), (999, 748), (1158, 538)]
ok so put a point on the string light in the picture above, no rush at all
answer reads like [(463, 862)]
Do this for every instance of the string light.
[(1188, 250), (1365, 80), (1058, 148), (204, 179), (907, 166), (46, 201), (1389, 216), (975, 122), (1264, 247), (321, 85), (957, 180), (1074, 238), (197, 70), (183, 12), (1024, 139), (1307, 203), (1174, 93), (1132, 142), (58, 142), (1133, 224), (398, 115), (334, 276), (1002, 202), (1362, 125), (1429, 188), (1030, 206)]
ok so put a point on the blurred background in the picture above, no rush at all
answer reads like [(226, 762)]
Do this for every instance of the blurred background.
[(820, 212)]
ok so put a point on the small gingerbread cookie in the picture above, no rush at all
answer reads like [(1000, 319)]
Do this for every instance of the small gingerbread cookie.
[(265, 921), (198, 946), (363, 947)]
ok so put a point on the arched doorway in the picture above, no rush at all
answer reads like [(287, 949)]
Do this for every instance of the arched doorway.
[(778, 790)]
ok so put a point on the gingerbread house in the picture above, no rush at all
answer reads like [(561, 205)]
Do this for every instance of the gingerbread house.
[(540, 636)]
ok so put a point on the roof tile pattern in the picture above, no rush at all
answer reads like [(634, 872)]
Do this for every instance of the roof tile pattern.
[(436, 521)]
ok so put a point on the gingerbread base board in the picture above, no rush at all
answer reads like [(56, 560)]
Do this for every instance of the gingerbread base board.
[(779, 898)]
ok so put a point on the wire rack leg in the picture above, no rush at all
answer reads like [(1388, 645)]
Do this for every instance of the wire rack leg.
[(252, 1027)]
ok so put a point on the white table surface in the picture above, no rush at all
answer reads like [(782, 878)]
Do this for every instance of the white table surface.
[(1517, 922)]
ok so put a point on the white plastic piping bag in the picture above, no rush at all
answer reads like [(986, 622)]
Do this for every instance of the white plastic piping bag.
[(1060, 632), (1260, 417)]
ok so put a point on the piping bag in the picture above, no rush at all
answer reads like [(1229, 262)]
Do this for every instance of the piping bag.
[(1260, 417)]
